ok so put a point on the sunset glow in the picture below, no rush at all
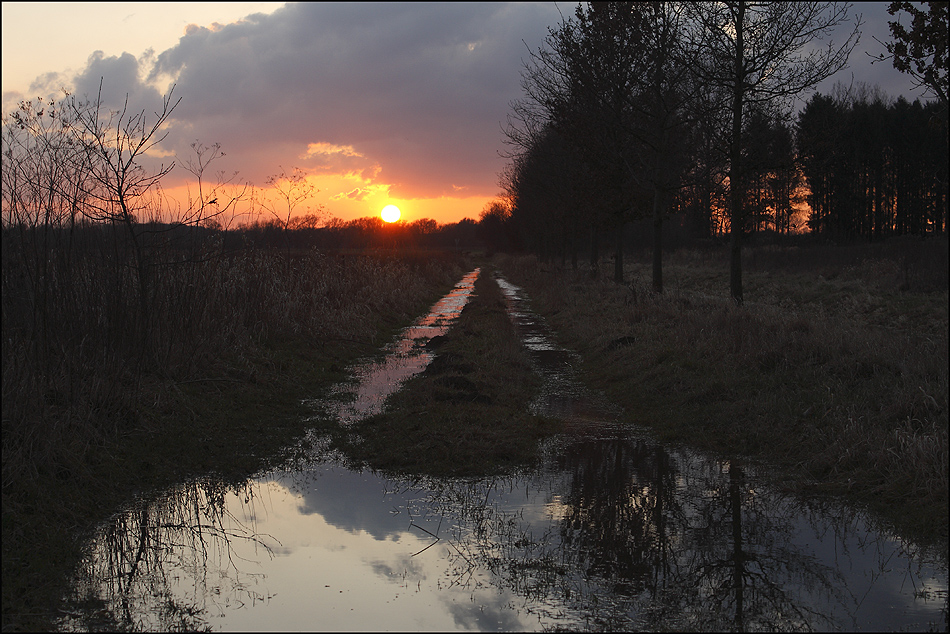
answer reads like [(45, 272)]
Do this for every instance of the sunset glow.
[(390, 213), (359, 155)]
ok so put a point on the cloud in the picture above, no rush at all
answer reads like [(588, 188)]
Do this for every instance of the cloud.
[(120, 79), (355, 194), (405, 98), (420, 90), (328, 149), (359, 193)]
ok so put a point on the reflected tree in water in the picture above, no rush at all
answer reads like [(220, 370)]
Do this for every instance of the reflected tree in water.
[(609, 533), (127, 581), (647, 539), (737, 565)]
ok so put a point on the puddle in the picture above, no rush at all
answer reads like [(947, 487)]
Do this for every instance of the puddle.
[(611, 531), (373, 380), (562, 395)]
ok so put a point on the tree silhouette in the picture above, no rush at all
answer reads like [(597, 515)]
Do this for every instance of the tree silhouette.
[(761, 53), (921, 52)]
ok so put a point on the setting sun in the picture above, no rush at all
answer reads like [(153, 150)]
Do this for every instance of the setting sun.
[(390, 213)]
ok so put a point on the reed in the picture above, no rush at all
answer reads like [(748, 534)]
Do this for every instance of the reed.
[(99, 403)]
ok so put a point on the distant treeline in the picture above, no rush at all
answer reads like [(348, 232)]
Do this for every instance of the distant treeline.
[(874, 169), (849, 169), (362, 233), (677, 118)]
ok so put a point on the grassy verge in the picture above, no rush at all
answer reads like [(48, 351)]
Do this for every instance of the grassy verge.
[(226, 415), (832, 373), (467, 413)]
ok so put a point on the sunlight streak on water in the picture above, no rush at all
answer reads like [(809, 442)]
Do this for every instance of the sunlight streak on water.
[(372, 381), (610, 531)]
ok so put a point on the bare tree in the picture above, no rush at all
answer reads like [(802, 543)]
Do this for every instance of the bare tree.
[(292, 190), (211, 202), (114, 148), (612, 83), (762, 52), (921, 51)]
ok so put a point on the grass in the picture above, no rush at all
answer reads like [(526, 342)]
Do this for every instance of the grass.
[(270, 333), (466, 414), (833, 372)]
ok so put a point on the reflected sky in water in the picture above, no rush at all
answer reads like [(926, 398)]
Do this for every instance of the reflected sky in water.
[(372, 381), (610, 531)]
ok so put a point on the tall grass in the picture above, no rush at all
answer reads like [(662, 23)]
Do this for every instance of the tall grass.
[(99, 402), (76, 353), (834, 371)]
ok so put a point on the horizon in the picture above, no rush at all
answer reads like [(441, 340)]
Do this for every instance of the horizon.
[(396, 104)]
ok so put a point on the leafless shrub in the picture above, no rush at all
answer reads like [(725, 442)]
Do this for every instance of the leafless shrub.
[(105, 285)]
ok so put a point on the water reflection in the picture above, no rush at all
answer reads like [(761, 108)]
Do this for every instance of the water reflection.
[(372, 381), (611, 532)]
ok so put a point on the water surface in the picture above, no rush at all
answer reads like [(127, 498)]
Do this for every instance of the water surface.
[(373, 380), (610, 530)]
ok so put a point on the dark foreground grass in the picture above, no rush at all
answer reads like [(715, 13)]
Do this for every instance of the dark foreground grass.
[(235, 414), (467, 413), (834, 374)]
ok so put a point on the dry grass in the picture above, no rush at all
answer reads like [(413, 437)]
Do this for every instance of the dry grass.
[(236, 344), (833, 372), (467, 413), (72, 374)]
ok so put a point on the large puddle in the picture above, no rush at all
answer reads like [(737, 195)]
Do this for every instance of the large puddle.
[(611, 531)]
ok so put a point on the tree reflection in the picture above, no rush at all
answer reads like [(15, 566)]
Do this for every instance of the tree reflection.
[(609, 533), (130, 578), (649, 539), (620, 497), (738, 567)]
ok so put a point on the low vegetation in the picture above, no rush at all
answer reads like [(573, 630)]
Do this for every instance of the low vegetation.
[(835, 370), (467, 413), (88, 422)]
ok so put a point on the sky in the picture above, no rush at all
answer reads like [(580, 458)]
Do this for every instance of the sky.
[(378, 103)]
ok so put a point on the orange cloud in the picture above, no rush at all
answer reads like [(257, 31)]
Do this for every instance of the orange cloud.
[(328, 149)]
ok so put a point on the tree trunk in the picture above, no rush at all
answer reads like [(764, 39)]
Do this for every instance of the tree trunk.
[(618, 258), (735, 169), (657, 241)]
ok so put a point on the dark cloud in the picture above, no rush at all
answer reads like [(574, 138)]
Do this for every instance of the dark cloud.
[(419, 89), (412, 95), (862, 67), (119, 77)]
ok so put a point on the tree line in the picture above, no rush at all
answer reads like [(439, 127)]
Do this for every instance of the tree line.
[(661, 114), (873, 168), (368, 232)]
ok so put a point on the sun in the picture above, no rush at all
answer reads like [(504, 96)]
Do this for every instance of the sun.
[(390, 213)]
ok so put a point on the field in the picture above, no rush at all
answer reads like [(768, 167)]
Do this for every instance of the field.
[(89, 421), (834, 371)]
